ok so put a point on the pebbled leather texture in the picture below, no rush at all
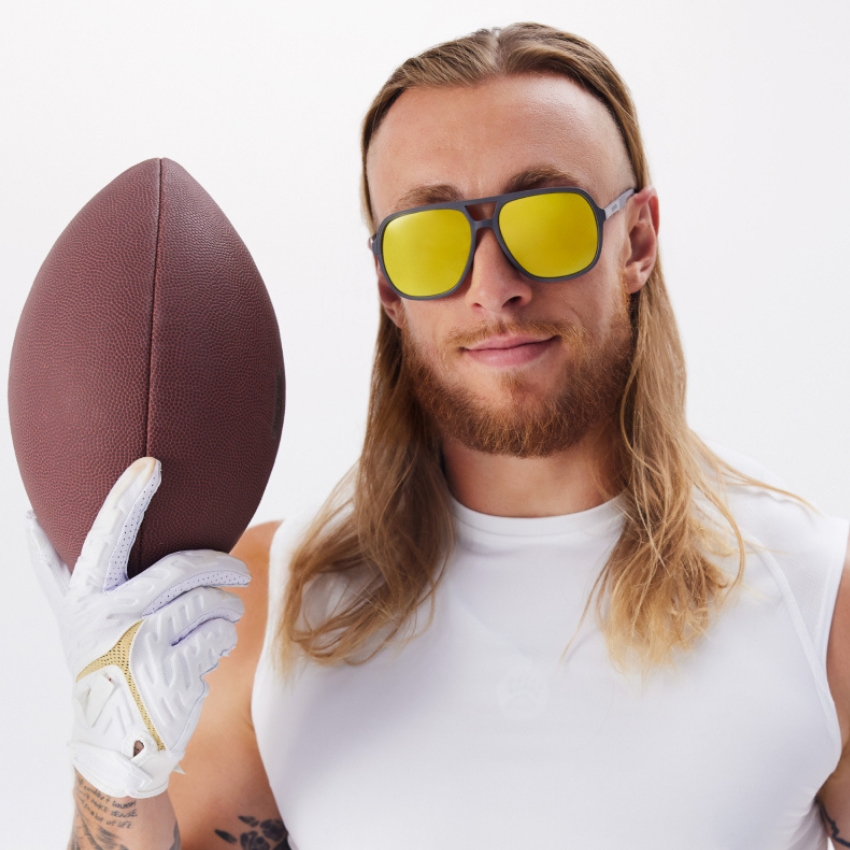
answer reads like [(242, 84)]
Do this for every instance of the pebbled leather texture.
[(148, 332)]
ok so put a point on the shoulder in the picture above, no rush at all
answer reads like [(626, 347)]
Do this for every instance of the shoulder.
[(256, 541), (266, 550), (747, 465), (253, 549), (763, 507), (774, 518), (798, 551)]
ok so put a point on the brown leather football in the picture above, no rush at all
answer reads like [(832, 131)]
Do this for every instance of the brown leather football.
[(148, 332)]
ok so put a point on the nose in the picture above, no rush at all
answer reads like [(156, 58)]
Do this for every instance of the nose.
[(493, 285)]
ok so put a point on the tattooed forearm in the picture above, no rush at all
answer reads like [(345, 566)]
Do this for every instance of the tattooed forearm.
[(832, 828), (262, 835), (99, 819), (102, 822)]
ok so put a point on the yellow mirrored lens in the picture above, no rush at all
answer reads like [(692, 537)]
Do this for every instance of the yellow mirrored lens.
[(425, 252), (550, 235)]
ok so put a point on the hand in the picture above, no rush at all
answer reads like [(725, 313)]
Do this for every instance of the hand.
[(138, 649)]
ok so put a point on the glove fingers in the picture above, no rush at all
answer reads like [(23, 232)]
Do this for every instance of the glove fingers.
[(170, 679), (177, 574), (176, 621), (200, 652), (102, 564), (52, 574)]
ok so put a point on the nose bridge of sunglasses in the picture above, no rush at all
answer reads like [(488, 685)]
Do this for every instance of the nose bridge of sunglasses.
[(483, 217), (481, 227), (481, 211)]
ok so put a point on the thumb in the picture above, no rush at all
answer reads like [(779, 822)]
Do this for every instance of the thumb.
[(52, 574), (102, 564)]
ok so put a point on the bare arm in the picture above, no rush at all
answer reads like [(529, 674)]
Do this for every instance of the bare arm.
[(224, 795), (105, 823), (834, 797)]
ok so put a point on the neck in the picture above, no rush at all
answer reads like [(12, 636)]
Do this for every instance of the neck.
[(573, 480)]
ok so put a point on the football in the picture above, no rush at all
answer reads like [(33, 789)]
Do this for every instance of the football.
[(148, 332)]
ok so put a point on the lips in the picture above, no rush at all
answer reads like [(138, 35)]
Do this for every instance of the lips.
[(503, 342), (510, 351)]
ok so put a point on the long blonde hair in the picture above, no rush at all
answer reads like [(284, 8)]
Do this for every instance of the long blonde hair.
[(387, 529)]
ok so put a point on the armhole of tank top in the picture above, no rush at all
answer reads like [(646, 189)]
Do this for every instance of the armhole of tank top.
[(814, 645), (841, 530)]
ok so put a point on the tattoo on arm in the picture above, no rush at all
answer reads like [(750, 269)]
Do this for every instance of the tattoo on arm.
[(101, 822), (98, 819), (832, 827), (262, 835)]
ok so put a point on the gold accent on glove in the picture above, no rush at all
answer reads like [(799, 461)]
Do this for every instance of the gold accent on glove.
[(119, 656)]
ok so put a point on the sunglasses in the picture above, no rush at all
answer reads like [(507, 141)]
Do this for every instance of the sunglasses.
[(547, 234)]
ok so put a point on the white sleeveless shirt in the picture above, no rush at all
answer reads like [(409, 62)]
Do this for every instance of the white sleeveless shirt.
[(480, 734)]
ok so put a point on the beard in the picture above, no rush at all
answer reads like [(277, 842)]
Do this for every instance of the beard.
[(525, 425)]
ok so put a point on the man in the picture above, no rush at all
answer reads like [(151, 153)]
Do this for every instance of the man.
[(439, 681)]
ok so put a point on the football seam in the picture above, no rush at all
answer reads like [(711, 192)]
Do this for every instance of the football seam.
[(147, 422)]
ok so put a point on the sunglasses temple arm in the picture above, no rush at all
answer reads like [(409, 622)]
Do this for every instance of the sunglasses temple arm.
[(618, 203)]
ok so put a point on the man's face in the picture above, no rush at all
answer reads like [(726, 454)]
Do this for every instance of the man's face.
[(506, 364)]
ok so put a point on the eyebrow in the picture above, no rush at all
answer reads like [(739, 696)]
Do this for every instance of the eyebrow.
[(535, 178), (530, 178), (422, 195)]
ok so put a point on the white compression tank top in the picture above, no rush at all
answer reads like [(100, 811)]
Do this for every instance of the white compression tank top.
[(477, 735)]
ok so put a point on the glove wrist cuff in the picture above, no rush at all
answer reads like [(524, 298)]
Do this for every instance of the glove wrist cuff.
[(118, 776)]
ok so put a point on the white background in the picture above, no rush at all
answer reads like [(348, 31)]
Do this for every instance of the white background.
[(745, 106)]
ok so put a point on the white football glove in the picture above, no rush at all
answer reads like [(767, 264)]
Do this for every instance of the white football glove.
[(138, 649)]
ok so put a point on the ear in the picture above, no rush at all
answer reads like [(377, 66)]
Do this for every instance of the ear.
[(391, 301), (642, 221)]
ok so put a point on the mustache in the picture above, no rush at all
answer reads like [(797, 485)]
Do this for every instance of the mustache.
[(543, 329)]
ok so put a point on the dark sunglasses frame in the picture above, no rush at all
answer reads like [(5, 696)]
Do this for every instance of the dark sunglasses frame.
[(602, 214)]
